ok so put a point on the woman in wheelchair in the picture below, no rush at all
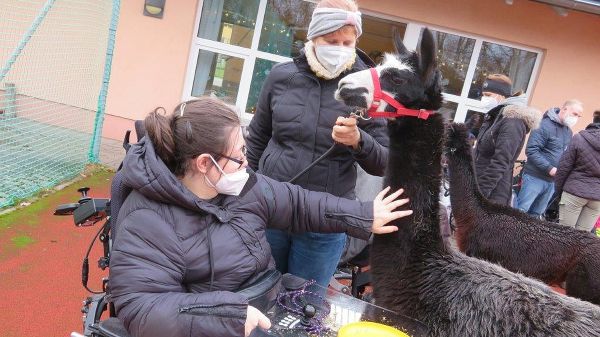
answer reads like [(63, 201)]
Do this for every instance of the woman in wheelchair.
[(190, 237)]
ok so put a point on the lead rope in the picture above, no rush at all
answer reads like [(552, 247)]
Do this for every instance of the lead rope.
[(358, 114)]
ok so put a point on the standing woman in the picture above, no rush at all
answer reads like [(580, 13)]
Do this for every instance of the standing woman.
[(297, 120), (501, 137), (578, 179)]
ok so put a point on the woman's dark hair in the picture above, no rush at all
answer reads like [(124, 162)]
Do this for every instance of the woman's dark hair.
[(596, 116), (195, 127)]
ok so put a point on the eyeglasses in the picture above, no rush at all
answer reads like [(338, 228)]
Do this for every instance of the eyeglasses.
[(237, 160)]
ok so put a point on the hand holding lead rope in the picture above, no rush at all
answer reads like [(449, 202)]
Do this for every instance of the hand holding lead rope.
[(346, 132)]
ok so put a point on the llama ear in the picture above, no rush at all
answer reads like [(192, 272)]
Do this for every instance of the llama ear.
[(427, 60), (399, 44)]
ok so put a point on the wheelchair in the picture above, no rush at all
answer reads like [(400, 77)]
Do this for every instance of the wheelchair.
[(342, 309), (88, 212)]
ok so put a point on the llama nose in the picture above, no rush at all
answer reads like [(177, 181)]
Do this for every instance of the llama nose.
[(342, 83)]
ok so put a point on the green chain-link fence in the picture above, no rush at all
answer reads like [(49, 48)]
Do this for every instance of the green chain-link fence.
[(55, 60)]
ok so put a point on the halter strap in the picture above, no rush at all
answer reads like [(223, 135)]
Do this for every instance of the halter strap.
[(379, 95)]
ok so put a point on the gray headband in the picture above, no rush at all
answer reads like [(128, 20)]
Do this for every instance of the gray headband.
[(327, 20)]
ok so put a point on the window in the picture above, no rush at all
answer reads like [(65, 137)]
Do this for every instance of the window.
[(454, 54), (494, 58), (465, 61), (237, 42), (261, 70), (285, 26), (448, 110), (217, 74), (229, 21), (376, 38)]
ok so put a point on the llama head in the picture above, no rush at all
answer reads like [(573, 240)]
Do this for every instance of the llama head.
[(457, 144), (412, 78)]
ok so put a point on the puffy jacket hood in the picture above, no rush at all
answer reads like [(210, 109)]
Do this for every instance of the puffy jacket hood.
[(552, 113), (592, 136), (593, 126), (516, 107), (144, 171), (520, 100)]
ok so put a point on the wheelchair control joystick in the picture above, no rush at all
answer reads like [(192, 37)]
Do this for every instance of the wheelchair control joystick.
[(309, 311), (83, 191), (84, 194)]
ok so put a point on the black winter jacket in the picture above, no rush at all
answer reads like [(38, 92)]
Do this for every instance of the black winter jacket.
[(579, 169), (292, 127), (546, 145), (499, 143), (177, 260)]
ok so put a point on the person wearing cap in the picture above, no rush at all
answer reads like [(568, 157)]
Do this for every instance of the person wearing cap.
[(298, 119), (501, 137), (544, 149)]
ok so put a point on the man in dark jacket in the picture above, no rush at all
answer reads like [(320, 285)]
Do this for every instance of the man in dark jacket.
[(501, 138), (544, 149), (578, 179)]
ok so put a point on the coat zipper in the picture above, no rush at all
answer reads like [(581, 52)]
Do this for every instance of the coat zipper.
[(209, 310), (341, 215)]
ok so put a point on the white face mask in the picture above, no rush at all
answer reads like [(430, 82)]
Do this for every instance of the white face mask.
[(571, 120), (229, 183), (333, 58), (488, 102)]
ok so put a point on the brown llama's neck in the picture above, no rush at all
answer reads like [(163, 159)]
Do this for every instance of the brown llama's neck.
[(464, 191), (414, 165)]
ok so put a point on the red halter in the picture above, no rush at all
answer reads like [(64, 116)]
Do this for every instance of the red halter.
[(379, 95)]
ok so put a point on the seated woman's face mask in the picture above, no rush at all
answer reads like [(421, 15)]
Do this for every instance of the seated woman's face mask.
[(229, 183)]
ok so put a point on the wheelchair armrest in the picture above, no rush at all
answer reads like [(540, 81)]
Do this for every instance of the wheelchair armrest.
[(112, 327)]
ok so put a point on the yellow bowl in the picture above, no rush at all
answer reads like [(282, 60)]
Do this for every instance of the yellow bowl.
[(369, 329)]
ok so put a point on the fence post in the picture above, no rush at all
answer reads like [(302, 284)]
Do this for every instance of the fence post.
[(94, 152), (9, 101)]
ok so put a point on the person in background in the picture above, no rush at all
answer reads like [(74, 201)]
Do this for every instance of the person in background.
[(501, 137), (578, 179), (298, 119), (544, 149), (191, 234)]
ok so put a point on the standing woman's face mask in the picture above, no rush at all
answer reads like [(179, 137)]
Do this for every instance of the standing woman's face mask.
[(334, 50), (490, 100)]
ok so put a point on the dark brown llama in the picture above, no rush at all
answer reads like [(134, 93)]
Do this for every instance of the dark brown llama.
[(414, 273), (543, 250)]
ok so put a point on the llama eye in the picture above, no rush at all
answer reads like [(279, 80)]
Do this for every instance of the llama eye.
[(398, 80)]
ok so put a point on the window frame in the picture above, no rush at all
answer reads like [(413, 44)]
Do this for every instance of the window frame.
[(411, 39), (464, 102)]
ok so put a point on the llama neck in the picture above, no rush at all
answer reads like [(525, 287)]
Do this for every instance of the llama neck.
[(414, 165), (464, 191)]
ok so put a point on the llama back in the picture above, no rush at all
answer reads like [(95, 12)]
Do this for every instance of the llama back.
[(464, 296), (503, 235)]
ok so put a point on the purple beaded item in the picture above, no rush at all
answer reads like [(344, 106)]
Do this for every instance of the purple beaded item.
[(294, 301)]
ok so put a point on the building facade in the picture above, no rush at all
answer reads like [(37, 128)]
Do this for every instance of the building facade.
[(227, 47)]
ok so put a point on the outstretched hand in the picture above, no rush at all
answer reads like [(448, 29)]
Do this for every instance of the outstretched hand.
[(383, 211)]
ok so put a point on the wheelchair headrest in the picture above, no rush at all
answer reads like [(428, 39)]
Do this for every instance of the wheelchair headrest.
[(140, 129)]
